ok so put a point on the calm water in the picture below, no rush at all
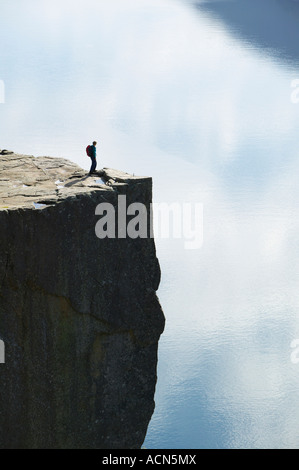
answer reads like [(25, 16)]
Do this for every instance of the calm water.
[(199, 97)]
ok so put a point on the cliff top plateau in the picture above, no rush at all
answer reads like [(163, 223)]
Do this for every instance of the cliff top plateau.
[(27, 181)]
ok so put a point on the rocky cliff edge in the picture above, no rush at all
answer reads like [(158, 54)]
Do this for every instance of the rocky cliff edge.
[(79, 315)]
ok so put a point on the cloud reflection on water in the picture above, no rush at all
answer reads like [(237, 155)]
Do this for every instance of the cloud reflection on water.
[(174, 93)]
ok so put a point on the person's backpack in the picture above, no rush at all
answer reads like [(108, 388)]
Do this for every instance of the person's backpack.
[(88, 150)]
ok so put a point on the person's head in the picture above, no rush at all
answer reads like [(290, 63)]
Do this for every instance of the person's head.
[(94, 143)]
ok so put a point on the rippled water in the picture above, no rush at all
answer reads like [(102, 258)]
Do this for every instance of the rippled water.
[(198, 95)]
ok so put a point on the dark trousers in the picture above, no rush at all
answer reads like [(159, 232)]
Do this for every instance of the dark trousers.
[(93, 164)]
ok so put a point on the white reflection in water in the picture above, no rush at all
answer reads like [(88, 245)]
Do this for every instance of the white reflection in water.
[(200, 101)]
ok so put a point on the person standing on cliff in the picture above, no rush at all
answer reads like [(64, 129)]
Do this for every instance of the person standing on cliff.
[(93, 156)]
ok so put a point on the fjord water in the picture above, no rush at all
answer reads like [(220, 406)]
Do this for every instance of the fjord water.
[(197, 95)]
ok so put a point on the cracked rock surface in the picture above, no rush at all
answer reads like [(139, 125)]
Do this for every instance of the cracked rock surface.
[(79, 315)]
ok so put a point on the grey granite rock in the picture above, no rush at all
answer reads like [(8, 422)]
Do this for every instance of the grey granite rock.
[(79, 315)]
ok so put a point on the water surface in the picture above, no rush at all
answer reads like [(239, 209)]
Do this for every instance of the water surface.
[(198, 95)]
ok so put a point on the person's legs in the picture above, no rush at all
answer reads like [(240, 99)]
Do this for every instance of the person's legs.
[(93, 165)]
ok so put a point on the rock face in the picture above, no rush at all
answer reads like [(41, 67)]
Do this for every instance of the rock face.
[(79, 315)]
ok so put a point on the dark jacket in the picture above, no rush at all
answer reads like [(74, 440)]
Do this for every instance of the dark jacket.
[(93, 151)]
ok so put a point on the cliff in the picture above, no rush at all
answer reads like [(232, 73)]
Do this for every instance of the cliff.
[(79, 315)]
